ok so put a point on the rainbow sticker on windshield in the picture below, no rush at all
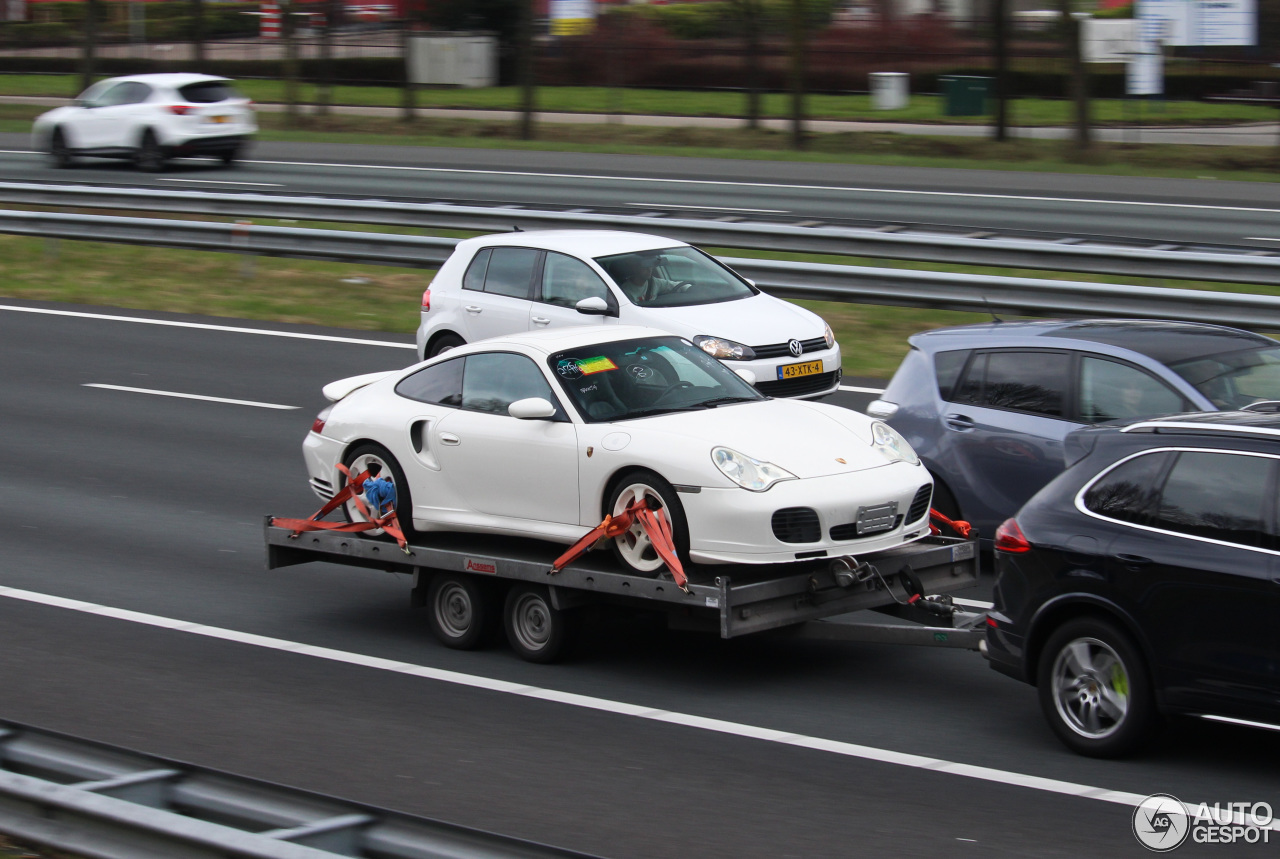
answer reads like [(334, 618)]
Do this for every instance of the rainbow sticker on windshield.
[(596, 365)]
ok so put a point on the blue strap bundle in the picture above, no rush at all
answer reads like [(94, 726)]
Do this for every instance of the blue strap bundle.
[(380, 492)]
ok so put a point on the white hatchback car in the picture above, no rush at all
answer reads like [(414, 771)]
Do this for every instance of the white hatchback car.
[(149, 119), (541, 434), (525, 281)]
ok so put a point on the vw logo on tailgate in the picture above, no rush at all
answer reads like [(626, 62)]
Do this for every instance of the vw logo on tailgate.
[(795, 348)]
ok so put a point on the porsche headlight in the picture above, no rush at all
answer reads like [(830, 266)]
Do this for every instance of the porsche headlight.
[(828, 336), (747, 472), (718, 347), (887, 440)]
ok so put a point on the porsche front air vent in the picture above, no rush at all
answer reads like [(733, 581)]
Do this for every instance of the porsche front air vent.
[(920, 504), (797, 525)]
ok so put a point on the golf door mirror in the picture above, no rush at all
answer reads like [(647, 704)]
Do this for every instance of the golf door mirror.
[(593, 306)]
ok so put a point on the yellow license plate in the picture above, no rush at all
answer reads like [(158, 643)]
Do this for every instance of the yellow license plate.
[(792, 371), (219, 119)]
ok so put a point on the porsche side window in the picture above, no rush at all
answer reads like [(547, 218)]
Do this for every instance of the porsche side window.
[(1221, 496), (566, 281), (494, 380), (440, 384), (1129, 491), (474, 278), (511, 271)]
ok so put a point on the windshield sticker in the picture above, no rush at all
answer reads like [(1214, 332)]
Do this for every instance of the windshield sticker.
[(569, 369), (596, 365), (639, 371)]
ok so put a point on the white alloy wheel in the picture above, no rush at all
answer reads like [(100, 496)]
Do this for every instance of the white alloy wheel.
[(634, 546), (373, 456)]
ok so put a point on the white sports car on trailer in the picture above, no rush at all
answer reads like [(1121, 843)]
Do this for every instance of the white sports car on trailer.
[(541, 434)]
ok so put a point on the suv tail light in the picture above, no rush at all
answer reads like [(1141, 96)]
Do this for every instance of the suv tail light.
[(181, 109), (1009, 538), (426, 300)]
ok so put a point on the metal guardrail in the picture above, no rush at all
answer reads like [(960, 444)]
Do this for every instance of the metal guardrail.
[(109, 803), (819, 281), (1243, 267)]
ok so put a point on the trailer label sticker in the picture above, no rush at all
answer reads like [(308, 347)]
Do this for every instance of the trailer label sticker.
[(713, 602), (475, 565), (962, 552), (596, 365)]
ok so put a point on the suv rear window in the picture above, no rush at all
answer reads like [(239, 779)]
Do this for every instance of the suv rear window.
[(207, 92)]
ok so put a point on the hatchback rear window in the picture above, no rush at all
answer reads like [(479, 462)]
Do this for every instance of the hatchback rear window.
[(208, 92)]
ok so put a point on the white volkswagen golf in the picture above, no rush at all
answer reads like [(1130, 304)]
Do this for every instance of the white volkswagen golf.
[(149, 119), (541, 434), (526, 281)]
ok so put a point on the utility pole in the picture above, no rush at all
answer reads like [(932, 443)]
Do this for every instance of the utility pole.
[(524, 65), (1000, 16), (197, 31), (1079, 75), (797, 73), (90, 44)]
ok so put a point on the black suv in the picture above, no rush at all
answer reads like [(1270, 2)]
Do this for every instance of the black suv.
[(1145, 579)]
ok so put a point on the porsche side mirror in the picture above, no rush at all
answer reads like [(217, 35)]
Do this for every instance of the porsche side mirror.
[(531, 409)]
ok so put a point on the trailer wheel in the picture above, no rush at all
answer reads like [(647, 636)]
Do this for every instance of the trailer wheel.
[(459, 610), (359, 459), (1094, 689), (536, 631), (633, 549)]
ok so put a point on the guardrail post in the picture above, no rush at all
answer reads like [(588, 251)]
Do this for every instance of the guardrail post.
[(240, 239)]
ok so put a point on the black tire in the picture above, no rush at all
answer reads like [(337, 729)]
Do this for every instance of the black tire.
[(59, 153), (536, 631), (1095, 689), (229, 157), (943, 501), (632, 549), (150, 157), (460, 610), (444, 343), (357, 459)]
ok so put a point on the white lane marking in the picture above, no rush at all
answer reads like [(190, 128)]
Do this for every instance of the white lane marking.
[(858, 390), (206, 327), (1248, 724), (225, 182), (973, 603), (188, 396), (588, 702), (705, 208), (779, 185), (1261, 239)]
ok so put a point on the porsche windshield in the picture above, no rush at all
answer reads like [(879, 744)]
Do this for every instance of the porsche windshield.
[(655, 375), (674, 277)]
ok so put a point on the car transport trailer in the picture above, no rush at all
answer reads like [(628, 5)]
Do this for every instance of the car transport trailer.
[(467, 582)]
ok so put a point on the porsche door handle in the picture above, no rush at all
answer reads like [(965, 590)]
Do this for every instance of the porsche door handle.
[(473, 308), (540, 320), (449, 438), (959, 423)]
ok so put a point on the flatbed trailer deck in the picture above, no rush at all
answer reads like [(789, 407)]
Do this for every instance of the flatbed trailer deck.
[(462, 580)]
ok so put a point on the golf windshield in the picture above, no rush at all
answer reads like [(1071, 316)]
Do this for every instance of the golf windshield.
[(674, 277), (651, 376), (1233, 380)]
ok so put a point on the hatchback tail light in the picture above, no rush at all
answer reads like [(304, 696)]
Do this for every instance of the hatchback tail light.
[(317, 426), (181, 109), (1009, 538), (426, 300)]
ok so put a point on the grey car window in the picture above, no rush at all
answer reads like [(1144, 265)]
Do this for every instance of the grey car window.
[(947, 367), (1221, 496), (493, 381), (1129, 491), (135, 93), (1112, 391), (1024, 381), (440, 383), (510, 271), (118, 94), (566, 281), (474, 278)]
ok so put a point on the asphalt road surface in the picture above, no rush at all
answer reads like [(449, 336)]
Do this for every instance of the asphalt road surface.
[(132, 586), (1051, 205)]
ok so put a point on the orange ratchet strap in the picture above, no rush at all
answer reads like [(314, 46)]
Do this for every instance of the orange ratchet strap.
[(655, 525), (961, 527), (355, 484)]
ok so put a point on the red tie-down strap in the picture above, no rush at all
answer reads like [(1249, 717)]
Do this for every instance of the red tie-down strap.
[(655, 525), (961, 527), (351, 491)]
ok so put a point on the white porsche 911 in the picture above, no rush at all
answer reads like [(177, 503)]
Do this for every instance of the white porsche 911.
[(541, 434)]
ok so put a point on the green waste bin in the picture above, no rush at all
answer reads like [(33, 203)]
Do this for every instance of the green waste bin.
[(966, 95)]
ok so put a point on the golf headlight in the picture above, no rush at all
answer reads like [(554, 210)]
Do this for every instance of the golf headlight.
[(828, 336), (886, 439), (718, 347), (747, 472)]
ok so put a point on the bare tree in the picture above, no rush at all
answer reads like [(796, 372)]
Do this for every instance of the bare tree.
[(288, 30), (197, 31), (750, 15), (88, 64), (798, 27), (1079, 75), (524, 69), (409, 92), (324, 89), (999, 22)]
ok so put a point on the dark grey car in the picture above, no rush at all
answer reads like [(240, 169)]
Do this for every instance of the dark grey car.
[(988, 406)]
